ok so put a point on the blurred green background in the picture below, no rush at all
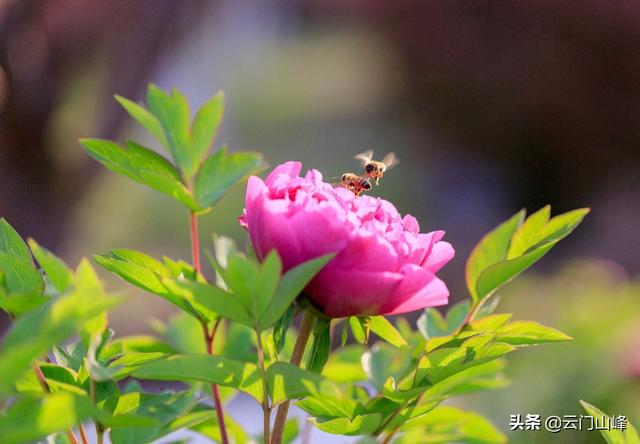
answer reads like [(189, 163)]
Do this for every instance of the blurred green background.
[(490, 105)]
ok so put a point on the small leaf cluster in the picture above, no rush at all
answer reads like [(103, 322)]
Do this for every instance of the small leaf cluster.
[(192, 177)]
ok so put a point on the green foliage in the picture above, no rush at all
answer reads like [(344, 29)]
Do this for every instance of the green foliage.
[(167, 117), (257, 295), (513, 247), (611, 434), (61, 364), (30, 419)]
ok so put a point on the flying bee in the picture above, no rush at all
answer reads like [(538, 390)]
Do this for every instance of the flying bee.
[(355, 183), (375, 169)]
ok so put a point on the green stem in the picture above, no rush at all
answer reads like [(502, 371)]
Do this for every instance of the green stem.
[(296, 358), (266, 408), (208, 337)]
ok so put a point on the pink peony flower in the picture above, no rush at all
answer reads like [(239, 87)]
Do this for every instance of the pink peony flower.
[(383, 264)]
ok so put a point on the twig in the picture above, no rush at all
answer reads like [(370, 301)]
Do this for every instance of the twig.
[(296, 358), (209, 337)]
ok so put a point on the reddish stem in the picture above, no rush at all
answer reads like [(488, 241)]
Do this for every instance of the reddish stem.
[(195, 243), (208, 337), (45, 387)]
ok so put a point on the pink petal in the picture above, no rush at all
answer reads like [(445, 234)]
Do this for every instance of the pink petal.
[(339, 292), (420, 288), (317, 233), (441, 253), (367, 251), (255, 187), (291, 169), (269, 228)]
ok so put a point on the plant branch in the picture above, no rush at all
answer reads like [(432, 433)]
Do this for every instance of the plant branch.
[(296, 358), (208, 337), (45, 387)]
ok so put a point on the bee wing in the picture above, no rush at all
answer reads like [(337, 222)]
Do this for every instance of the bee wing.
[(365, 157), (390, 160)]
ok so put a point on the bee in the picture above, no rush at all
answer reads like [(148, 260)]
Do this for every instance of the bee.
[(355, 183), (375, 169)]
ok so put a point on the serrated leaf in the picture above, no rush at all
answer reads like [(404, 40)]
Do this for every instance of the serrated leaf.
[(142, 165), (145, 118), (386, 331), (491, 249), (221, 171)]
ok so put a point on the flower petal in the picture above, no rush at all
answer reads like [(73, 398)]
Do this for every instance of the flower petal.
[(291, 169), (339, 293), (441, 253), (420, 288)]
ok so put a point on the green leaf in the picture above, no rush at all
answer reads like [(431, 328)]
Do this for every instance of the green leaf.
[(152, 276), (217, 300), (287, 381), (359, 425), (529, 333), (30, 419), (11, 242), (57, 272), (358, 330), (172, 111), (611, 435), (205, 125), (432, 324), (281, 328), (491, 249), (243, 376), (291, 431), (36, 332), (530, 241), (145, 118), (20, 276), (385, 330), (168, 410), (142, 165), (321, 345), (529, 233), (290, 287), (221, 171), (449, 424), (499, 274)]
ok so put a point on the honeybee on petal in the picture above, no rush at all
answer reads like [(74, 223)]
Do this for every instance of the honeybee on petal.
[(356, 184), (374, 169)]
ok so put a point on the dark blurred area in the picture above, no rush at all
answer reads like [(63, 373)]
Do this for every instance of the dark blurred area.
[(491, 105)]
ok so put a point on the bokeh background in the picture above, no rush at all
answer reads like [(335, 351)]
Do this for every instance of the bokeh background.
[(491, 105)]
